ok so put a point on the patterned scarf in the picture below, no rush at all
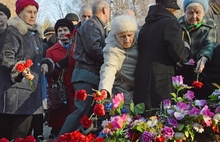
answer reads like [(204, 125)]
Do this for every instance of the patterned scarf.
[(194, 27)]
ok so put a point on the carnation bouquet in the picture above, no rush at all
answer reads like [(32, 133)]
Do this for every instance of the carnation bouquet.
[(25, 68)]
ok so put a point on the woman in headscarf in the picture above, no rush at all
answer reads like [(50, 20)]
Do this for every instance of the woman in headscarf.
[(20, 90), (200, 32)]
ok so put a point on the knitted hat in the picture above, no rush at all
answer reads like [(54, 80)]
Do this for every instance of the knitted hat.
[(64, 22), (169, 3), (20, 4), (72, 17), (204, 4), (49, 30), (5, 10), (123, 23)]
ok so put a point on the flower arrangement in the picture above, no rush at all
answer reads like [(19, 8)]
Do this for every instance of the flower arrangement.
[(179, 119), (25, 68), (27, 139)]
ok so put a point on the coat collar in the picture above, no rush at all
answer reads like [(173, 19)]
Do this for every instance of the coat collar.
[(23, 28)]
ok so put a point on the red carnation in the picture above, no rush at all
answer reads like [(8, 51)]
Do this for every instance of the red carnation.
[(91, 137), (28, 63), (197, 84), (4, 140), (81, 95), (98, 139), (160, 139), (99, 110), (100, 95), (69, 35), (74, 32), (20, 67), (86, 122)]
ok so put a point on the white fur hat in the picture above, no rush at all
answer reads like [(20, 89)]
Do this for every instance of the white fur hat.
[(123, 23)]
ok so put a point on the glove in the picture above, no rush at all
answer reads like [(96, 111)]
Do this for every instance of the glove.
[(63, 63), (201, 64)]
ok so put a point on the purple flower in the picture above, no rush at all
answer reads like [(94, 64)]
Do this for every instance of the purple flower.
[(216, 92), (190, 62), (189, 95), (194, 111), (206, 111), (200, 103), (147, 137), (167, 132), (177, 81), (181, 110), (166, 104), (173, 122)]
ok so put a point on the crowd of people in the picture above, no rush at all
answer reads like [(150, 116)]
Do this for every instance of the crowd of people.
[(138, 62)]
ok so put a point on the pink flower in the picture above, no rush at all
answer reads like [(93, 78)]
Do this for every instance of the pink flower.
[(167, 132), (189, 95), (118, 100), (118, 122)]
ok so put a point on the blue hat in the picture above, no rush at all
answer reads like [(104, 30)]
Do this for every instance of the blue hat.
[(204, 4)]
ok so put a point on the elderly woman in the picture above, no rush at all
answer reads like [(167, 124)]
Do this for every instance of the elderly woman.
[(20, 91), (120, 58), (200, 32), (62, 55)]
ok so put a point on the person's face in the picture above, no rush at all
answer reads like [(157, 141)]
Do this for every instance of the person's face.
[(126, 39), (29, 14), (107, 13), (61, 32), (85, 15), (194, 14), (74, 22), (48, 36), (3, 19)]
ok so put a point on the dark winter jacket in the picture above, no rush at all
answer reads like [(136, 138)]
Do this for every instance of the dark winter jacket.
[(89, 44), (160, 47), (202, 40), (19, 43)]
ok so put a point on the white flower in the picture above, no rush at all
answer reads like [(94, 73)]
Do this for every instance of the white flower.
[(216, 118), (198, 128), (152, 122)]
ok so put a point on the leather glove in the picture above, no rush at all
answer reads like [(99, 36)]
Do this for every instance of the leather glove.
[(201, 64), (63, 63)]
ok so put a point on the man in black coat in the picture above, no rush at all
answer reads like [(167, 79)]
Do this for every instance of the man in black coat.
[(88, 53), (160, 47)]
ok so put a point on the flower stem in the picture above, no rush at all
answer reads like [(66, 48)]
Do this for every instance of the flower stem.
[(32, 86)]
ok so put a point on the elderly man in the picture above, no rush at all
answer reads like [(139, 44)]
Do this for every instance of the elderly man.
[(5, 14), (84, 14), (89, 58)]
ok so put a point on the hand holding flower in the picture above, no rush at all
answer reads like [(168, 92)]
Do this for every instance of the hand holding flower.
[(24, 68), (201, 64)]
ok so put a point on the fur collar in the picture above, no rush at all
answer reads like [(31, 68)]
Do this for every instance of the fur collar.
[(23, 28)]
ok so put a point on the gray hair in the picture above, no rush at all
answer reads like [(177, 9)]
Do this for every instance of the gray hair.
[(84, 8), (98, 5)]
